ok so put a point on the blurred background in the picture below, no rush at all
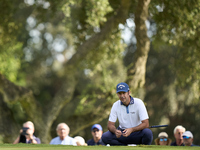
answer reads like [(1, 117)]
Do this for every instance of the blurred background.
[(61, 60)]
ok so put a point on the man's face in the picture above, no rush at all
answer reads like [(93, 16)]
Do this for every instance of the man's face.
[(124, 97), (30, 129), (62, 131), (96, 133), (179, 134), (187, 141)]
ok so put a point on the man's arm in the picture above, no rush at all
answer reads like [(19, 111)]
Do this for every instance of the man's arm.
[(143, 125), (17, 140), (112, 128)]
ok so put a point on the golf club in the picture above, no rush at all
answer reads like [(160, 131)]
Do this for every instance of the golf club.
[(157, 126)]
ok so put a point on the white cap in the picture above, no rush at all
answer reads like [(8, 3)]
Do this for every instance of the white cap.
[(162, 134), (188, 133)]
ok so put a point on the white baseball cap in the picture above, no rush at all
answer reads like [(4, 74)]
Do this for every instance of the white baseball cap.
[(188, 133), (162, 134)]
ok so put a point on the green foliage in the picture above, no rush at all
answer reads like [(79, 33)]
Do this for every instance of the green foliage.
[(182, 20), (20, 114), (96, 12), (95, 85), (177, 24), (10, 47), (10, 58), (111, 50), (84, 18), (189, 73)]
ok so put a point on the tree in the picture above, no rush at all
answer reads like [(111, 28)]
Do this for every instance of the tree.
[(64, 92)]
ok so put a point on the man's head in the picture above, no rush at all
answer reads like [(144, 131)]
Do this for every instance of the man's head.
[(62, 130), (178, 132), (30, 127), (97, 131), (122, 87), (123, 93), (187, 138)]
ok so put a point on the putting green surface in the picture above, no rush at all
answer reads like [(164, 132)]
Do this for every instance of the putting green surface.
[(66, 147)]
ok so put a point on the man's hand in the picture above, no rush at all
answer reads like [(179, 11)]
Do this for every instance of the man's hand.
[(127, 132), (118, 133), (30, 137), (143, 125)]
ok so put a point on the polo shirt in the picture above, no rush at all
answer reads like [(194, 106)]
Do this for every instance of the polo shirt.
[(128, 116), (67, 141)]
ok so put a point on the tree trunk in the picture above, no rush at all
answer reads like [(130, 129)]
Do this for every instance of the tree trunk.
[(137, 69)]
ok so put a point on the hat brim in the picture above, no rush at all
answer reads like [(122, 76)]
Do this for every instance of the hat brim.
[(122, 91)]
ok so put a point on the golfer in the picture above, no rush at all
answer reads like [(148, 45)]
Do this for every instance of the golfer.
[(133, 120)]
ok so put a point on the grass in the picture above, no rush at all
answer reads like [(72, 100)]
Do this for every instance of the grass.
[(66, 147)]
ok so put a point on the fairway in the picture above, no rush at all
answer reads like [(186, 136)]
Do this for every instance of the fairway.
[(65, 147)]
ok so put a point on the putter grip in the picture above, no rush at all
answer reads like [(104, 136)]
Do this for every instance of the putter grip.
[(157, 126)]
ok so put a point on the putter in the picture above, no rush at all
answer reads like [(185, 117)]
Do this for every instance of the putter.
[(158, 126)]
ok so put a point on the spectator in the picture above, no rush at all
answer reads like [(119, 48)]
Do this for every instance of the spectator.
[(178, 133), (26, 134), (63, 137), (163, 139), (80, 141), (96, 132), (188, 138), (133, 120)]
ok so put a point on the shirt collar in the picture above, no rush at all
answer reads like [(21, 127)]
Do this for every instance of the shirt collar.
[(131, 101)]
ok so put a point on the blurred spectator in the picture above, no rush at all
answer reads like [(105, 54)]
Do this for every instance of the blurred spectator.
[(188, 138), (80, 141), (96, 132), (63, 137), (26, 134), (163, 139), (178, 133)]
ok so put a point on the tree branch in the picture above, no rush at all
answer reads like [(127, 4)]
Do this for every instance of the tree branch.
[(97, 39)]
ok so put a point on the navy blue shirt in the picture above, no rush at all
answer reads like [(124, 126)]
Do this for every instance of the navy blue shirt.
[(174, 144), (91, 142)]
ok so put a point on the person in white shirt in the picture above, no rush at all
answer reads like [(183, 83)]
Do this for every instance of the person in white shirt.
[(63, 137), (133, 120)]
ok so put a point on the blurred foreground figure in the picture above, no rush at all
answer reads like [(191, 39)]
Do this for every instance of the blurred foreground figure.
[(96, 132), (63, 137), (26, 134), (188, 139), (80, 141), (163, 139), (178, 134), (133, 120)]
